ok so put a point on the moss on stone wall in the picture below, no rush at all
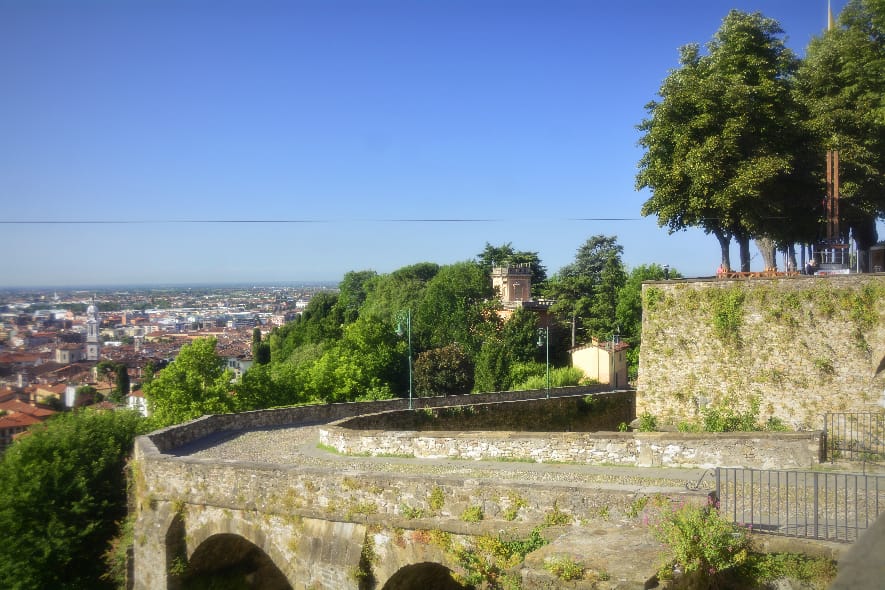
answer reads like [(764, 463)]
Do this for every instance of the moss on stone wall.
[(803, 346)]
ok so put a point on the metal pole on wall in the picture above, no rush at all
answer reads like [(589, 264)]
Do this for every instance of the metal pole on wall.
[(405, 316), (545, 334)]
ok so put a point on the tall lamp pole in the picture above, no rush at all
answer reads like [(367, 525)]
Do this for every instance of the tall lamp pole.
[(544, 340), (404, 316)]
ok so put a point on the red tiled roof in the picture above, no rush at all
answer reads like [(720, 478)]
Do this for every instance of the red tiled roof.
[(18, 421), (20, 407)]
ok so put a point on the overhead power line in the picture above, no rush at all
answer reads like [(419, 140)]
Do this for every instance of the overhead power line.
[(283, 221)]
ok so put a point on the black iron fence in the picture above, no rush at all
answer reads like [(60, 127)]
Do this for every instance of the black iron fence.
[(855, 437), (811, 504)]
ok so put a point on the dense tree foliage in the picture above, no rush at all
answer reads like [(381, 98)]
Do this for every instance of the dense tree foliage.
[(841, 82), (62, 491), (456, 308), (725, 148), (319, 322), (443, 371), (586, 289), (194, 384), (505, 255), (121, 383)]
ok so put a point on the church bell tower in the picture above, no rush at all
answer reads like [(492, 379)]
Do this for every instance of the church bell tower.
[(93, 344)]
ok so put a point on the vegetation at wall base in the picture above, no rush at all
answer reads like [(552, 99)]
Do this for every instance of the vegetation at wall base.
[(63, 498), (705, 550)]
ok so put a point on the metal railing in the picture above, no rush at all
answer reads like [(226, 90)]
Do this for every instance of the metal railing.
[(855, 436), (810, 504)]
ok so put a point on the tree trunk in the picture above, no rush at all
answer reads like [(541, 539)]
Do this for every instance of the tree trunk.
[(768, 250), (724, 245), (791, 257), (744, 249)]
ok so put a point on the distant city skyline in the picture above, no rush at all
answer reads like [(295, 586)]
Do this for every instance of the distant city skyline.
[(273, 142)]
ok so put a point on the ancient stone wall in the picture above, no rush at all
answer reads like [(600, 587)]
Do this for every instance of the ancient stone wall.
[(563, 413), (758, 450), (314, 523), (182, 434), (798, 347)]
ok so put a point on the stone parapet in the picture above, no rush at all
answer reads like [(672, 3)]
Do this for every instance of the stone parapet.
[(755, 450), (179, 435)]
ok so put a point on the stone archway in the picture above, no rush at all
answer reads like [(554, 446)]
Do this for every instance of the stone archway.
[(423, 576), (236, 561)]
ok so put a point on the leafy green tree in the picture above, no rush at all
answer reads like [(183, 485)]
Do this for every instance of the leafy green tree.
[(842, 85), (194, 384), (443, 371), (492, 371), (362, 365), (585, 290), (260, 349), (121, 386), (106, 371), (262, 354), (402, 289), (725, 149), (352, 293), (456, 308), (519, 335), (517, 343), (505, 255), (261, 387), (62, 492), (319, 322), (256, 340)]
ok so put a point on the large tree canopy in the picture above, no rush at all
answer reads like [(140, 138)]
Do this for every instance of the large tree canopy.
[(586, 289), (724, 147), (842, 84), (194, 384), (505, 255), (62, 491)]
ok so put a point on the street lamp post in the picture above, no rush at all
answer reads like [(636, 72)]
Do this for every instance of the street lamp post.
[(404, 316), (544, 340)]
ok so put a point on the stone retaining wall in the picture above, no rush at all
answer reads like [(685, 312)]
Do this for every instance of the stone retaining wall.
[(562, 413), (799, 346), (756, 450), (182, 434)]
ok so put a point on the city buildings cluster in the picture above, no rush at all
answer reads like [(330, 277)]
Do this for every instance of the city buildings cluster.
[(52, 343)]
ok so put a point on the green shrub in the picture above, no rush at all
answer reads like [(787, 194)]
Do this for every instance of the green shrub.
[(728, 315), (555, 516), (813, 572), (559, 377), (702, 540), (473, 514), (725, 418), (564, 568), (437, 500), (647, 423)]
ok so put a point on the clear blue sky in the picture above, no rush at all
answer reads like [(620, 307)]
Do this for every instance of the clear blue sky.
[(353, 116)]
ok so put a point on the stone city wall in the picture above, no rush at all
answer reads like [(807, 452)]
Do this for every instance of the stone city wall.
[(756, 450), (799, 346), (182, 434), (562, 413)]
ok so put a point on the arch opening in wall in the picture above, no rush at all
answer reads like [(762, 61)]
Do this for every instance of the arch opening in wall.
[(423, 576), (234, 562)]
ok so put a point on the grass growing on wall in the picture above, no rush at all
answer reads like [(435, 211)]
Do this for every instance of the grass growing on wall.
[(727, 306)]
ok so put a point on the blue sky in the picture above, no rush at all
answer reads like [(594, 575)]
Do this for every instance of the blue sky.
[(353, 119)]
